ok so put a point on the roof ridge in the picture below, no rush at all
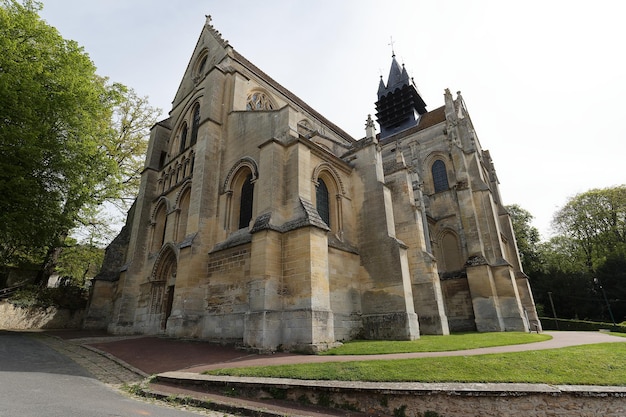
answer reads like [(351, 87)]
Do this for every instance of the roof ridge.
[(244, 61)]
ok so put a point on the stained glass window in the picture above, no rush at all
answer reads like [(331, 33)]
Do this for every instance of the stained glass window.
[(322, 200), (245, 205), (440, 176)]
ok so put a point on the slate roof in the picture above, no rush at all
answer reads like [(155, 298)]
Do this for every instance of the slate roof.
[(249, 65), (426, 120)]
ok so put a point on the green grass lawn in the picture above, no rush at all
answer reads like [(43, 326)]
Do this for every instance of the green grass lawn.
[(601, 364), (427, 343)]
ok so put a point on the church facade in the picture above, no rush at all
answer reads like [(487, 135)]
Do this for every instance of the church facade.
[(262, 223)]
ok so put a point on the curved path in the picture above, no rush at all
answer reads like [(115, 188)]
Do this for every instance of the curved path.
[(153, 355), (559, 340)]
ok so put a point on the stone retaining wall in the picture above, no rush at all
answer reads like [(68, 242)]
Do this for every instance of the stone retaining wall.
[(424, 400), (18, 318)]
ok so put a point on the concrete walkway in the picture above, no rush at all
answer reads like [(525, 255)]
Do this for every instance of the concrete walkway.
[(153, 355), (178, 365)]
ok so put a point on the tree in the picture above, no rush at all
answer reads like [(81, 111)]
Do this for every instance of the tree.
[(527, 238), (69, 140), (126, 145), (53, 110), (595, 223), (587, 257), (79, 262)]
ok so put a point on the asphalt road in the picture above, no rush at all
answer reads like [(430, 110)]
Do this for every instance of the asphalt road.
[(37, 381)]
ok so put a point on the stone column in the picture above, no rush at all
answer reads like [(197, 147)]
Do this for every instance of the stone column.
[(387, 298), (307, 320), (510, 306), (263, 321), (487, 314), (426, 287)]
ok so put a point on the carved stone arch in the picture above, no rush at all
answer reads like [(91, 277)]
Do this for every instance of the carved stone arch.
[(165, 260), (427, 174), (246, 161), (332, 172), (450, 251), (329, 194), (163, 282), (186, 186), (160, 201), (183, 202), (201, 63), (158, 223), (185, 117), (239, 192), (432, 157), (305, 128), (186, 114), (180, 141)]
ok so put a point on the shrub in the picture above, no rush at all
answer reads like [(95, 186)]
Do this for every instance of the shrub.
[(580, 325), (67, 296)]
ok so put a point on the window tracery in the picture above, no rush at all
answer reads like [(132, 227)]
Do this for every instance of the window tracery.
[(259, 101)]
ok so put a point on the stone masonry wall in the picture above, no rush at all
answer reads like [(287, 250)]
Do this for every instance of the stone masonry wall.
[(429, 399), (17, 318)]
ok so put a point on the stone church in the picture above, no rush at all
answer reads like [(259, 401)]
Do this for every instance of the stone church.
[(262, 223)]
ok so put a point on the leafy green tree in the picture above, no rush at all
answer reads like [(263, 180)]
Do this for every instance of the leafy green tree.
[(133, 117), (561, 253), (587, 257), (78, 262), (595, 223), (126, 145), (54, 111), (69, 141), (527, 238), (611, 275)]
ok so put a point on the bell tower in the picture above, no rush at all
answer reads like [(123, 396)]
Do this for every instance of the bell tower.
[(399, 103)]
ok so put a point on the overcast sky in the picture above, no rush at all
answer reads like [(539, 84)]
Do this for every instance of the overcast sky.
[(544, 81)]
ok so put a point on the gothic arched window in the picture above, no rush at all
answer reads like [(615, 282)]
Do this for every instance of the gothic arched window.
[(160, 224), (183, 138), (440, 176), (245, 203), (183, 215), (202, 65), (195, 123), (322, 201)]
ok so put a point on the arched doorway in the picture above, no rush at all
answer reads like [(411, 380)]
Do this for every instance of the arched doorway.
[(163, 285)]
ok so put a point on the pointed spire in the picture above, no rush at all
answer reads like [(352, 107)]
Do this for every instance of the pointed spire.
[(395, 75), (405, 75), (370, 128), (399, 102), (381, 87)]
